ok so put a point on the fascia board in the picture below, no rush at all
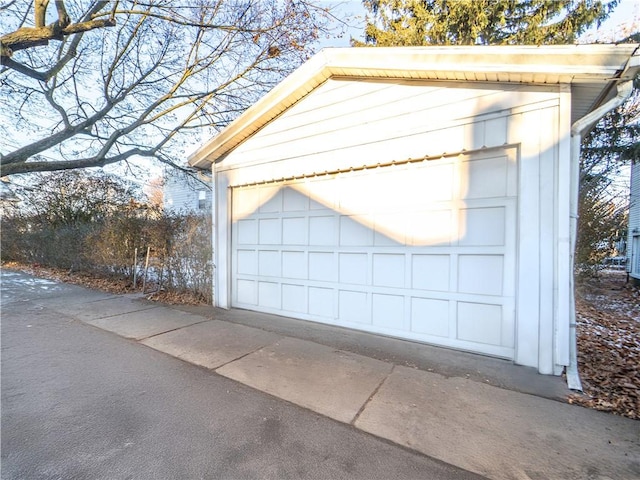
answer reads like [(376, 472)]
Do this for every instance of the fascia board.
[(298, 84), (599, 64)]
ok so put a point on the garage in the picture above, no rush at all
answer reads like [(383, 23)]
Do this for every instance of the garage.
[(421, 250), (423, 193)]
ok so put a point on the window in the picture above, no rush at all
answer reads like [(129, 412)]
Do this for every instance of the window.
[(202, 199)]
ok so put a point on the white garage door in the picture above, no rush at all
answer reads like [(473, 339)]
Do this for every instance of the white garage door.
[(423, 251)]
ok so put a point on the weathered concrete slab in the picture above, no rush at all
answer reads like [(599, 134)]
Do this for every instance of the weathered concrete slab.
[(78, 296), (107, 307), (145, 323), (500, 433), (448, 362), (328, 381), (211, 344)]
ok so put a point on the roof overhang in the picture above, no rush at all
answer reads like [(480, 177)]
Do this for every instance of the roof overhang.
[(591, 70)]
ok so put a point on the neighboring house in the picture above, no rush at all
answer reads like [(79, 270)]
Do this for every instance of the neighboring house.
[(633, 243), (425, 193), (182, 193)]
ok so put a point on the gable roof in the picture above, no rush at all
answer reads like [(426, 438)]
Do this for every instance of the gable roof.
[(591, 70)]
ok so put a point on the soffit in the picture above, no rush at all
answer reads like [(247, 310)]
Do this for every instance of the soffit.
[(591, 70)]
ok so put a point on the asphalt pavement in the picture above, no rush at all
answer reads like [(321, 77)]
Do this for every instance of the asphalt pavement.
[(207, 393), (81, 403)]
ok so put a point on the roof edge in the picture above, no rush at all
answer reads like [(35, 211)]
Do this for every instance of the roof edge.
[(313, 69), (599, 63)]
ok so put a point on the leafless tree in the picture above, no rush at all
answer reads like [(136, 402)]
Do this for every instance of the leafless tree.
[(93, 83)]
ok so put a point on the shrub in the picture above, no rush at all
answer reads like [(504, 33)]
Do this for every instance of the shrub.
[(102, 238)]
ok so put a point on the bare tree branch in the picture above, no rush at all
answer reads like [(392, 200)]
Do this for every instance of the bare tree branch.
[(63, 16), (95, 161), (40, 12), (77, 38), (23, 69), (140, 89), (29, 37)]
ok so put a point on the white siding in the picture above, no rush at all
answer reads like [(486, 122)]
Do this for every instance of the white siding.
[(367, 122), (349, 124), (183, 194), (633, 243)]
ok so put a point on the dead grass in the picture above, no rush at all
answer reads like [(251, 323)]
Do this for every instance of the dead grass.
[(109, 284)]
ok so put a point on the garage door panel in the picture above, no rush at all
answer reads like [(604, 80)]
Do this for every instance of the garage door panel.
[(390, 229), (322, 267), (247, 262), (430, 272), (480, 274), (294, 201), (388, 311), (324, 205), (247, 232), (355, 230), (355, 194), (482, 226), (430, 258), (270, 198), (381, 239), (294, 231), (430, 316), (322, 230), (430, 227), (508, 324), (485, 178), (353, 307), (435, 184), (294, 264), (294, 298), (321, 302), (246, 201), (323, 194), (353, 268), (247, 292), (269, 295), (419, 187), (269, 231), (389, 270), (269, 264), (480, 323)]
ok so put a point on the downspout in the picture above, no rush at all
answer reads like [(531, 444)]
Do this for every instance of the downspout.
[(578, 129)]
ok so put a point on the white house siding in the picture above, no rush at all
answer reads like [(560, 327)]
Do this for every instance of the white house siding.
[(183, 195), (347, 124), (633, 244)]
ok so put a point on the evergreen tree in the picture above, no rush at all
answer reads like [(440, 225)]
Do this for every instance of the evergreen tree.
[(614, 141), (480, 22)]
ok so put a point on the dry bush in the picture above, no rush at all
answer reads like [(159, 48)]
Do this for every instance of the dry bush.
[(68, 222), (182, 247)]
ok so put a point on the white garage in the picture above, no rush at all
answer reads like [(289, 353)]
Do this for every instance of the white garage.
[(421, 193), (416, 253)]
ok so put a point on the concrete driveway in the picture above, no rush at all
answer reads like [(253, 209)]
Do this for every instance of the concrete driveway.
[(480, 414)]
